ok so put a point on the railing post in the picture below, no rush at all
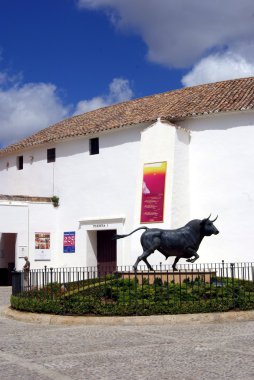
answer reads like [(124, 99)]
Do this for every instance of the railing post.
[(222, 274), (44, 275), (51, 281), (136, 291), (232, 267)]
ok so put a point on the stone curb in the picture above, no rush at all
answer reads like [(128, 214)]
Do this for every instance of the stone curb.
[(50, 319)]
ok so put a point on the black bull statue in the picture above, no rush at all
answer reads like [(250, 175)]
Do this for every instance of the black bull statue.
[(182, 242)]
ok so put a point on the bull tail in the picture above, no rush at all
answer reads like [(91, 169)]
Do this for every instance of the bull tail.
[(115, 237)]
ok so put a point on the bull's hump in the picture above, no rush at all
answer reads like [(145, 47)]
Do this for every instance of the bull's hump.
[(180, 232)]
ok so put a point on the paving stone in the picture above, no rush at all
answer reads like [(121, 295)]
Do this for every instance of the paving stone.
[(218, 350)]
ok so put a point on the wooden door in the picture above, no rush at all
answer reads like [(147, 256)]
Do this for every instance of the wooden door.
[(106, 251)]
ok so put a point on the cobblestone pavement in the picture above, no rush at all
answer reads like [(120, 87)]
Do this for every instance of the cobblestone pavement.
[(163, 351)]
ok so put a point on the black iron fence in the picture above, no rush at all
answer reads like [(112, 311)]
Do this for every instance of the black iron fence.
[(121, 291)]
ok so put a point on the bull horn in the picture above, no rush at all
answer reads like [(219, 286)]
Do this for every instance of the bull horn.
[(214, 219), (208, 217)]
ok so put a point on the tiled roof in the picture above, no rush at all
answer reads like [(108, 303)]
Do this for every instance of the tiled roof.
[(231, 95)]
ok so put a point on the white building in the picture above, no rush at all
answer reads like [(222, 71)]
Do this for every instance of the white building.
[(201, 137)]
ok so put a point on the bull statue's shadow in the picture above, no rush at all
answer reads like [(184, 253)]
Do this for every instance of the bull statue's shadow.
[(182, 242)]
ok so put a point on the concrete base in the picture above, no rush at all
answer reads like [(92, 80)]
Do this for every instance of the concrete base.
[(170, 276), (50, 319)]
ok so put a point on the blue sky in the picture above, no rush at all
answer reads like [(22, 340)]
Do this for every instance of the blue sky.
[(59, 58)]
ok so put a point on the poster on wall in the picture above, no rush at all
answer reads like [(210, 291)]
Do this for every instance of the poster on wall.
[(42, 246), (69, 242), (153, 191), (22, 251)]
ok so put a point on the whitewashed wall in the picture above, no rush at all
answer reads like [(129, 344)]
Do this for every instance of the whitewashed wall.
[(96, 188), (163, 142), (222, 182), (26, 219), (14, 219), (210, 171), (36, 178)]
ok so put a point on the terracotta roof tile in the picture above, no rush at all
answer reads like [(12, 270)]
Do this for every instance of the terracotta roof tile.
[(231, 95)]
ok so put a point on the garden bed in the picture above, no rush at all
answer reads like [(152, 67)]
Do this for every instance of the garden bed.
[(116, 295)]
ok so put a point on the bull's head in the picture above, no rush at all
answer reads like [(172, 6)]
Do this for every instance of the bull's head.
[(208, 227)]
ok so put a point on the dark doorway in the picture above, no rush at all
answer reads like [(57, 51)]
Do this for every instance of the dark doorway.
[(106, 251), (7, 257)]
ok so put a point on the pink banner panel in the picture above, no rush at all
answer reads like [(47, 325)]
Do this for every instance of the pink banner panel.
[(153, 192)]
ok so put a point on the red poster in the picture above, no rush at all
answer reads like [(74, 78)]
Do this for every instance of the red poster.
[(153, 191), (42, 240)]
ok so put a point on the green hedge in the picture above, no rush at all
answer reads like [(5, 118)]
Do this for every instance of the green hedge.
[(116, 296), (81, 307)]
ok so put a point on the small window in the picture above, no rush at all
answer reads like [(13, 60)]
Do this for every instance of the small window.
[(51, 155), (20, 162), (94, 146)]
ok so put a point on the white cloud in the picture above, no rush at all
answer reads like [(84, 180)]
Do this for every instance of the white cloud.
[(180, 32), (218, 67), (119, 91), (89, 105), (27, 108)]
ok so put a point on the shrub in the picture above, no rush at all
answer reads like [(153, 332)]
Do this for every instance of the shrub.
[(118, 296)]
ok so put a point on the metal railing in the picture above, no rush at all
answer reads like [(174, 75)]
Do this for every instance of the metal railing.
[(79, 290)]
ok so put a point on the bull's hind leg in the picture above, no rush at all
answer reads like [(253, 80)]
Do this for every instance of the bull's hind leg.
[(143, 257), (175, 262), (148, 265), (148, 247)]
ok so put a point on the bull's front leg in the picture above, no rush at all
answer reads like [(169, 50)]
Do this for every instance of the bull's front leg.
[(193, 253)]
